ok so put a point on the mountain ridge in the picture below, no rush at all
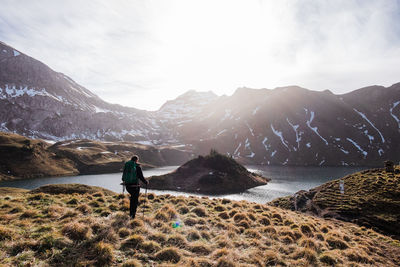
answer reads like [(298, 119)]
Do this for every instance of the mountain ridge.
[(287, 125)]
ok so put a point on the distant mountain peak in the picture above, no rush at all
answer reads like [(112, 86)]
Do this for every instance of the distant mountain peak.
[(197, 94)]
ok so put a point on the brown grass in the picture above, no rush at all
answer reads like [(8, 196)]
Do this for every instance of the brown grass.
[(52, 230)]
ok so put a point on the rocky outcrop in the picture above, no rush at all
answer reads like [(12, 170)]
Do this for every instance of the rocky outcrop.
[(213, 174)]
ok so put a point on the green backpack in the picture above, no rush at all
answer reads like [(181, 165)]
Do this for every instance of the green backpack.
[(129, 175)]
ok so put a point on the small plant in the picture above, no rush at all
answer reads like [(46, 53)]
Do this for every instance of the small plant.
[(224, 215), (150, 246), (271, 258), (6, 233), (199, 211), (193, 235), (29, 214), (190, 221), (177, 240), (103, 253), (123, 232), (76, 231), (73, 201), (158, 237), (132, 242), (336, 243), (132, 263), (169, 254), (328, 258), (225, 262), (306, 230), (84, 208)]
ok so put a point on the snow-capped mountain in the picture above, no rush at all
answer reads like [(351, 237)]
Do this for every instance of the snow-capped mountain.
[(288, 125), (296, 126), (39, 102)]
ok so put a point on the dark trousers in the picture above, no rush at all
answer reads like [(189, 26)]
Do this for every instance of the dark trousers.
[(134, 192)]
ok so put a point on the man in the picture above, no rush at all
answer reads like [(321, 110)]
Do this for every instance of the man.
[(130, 177)]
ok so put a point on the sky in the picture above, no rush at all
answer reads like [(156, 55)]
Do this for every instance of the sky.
[(143, 53)]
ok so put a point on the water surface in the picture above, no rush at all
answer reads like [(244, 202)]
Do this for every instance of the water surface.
[(284, 181)]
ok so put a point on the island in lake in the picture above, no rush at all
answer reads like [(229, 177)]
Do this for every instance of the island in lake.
[(212, 174)]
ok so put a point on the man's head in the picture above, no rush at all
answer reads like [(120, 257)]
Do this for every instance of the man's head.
[(135, 158)]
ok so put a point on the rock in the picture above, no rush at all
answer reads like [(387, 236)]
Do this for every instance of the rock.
[(212, 174), (389, 166)]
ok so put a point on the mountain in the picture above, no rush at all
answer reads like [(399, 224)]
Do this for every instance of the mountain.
[(282, 126), (39, 102), (295, 126)]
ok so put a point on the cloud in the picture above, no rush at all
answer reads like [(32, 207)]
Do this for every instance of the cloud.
[(141, 53)]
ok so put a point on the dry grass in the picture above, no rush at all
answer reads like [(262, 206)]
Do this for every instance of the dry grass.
[(42, 229)]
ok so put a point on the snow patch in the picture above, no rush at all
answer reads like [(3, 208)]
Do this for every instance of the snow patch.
[(380, 151), (237, 149), (16, 53), (221, 132), (247, 146), (265, 144), (146, 143), (273, 153), (298, 137), (250, 129), (13, 91), (279, 134), (394, 116), (365, 153), (308, 145), (344, 151), (228, 113), (373, 126), (322, 162), (314, 129), (255, 110)]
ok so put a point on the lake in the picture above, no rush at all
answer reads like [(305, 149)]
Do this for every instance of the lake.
[(286, 180)]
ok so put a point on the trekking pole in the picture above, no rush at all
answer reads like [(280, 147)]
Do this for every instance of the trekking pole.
[(123, 188), (145, 199)]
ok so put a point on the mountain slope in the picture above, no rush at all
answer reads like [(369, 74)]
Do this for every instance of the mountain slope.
[(296, 126), (282, 126), (26, 158), (39, 102)]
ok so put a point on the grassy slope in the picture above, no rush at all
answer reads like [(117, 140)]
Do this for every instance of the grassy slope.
[(94, 229), (22, 157), (26, 158), (371, 198)]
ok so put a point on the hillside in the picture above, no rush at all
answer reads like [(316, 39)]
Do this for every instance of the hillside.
[(212, 174), (22, 157), (28, 158), (94, 229), (283, 126), (371, 198)]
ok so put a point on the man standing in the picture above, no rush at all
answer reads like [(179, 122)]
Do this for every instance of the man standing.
[(130, 177)]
